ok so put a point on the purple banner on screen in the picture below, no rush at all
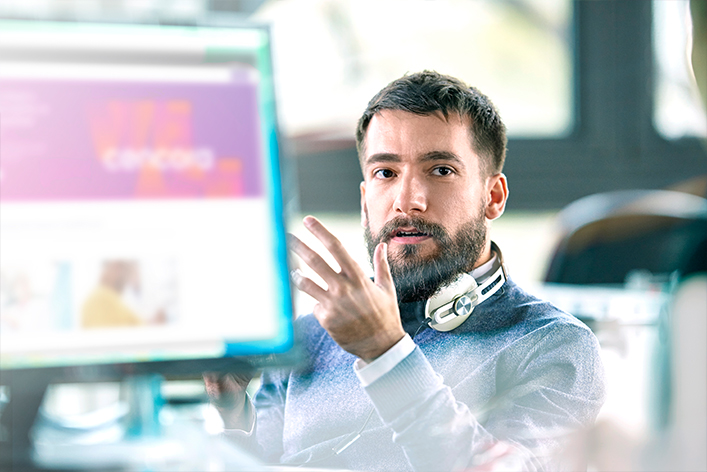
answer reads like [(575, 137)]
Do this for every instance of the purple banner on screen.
[(88, 140)]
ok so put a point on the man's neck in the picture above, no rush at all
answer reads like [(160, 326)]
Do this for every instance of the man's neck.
[(485, 256)]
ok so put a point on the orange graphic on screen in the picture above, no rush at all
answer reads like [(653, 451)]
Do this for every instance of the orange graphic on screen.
[(154, 140)]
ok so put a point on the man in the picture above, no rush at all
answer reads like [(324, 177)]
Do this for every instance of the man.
[(501, 387)]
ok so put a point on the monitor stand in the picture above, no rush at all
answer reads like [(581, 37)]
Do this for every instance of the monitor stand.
[(145, 401), (26, 393)]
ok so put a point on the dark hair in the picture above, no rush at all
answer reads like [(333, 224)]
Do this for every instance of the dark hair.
[(426, 92)]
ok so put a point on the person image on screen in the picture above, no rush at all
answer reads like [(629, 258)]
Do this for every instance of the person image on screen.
[(440, 362), (105, 306)]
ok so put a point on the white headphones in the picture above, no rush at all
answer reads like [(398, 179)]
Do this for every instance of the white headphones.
[(454, 303)]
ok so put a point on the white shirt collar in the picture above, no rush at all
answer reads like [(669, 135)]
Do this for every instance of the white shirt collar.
[(487, 268)]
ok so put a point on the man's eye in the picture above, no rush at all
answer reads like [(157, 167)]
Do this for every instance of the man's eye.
[(383, 173), (442, 171)]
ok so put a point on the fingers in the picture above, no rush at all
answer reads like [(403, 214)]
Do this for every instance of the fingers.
[(307, 285), (348, 265), (351, 274), (224, 390), (311, 258), (242, 380), (227, 392), (381, 268), (316, 262)]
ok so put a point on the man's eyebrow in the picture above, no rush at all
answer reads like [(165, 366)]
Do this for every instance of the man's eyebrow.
[(442, 156), (427, 157), (382, 157)]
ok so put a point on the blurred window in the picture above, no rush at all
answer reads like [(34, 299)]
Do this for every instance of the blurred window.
[(677, 111), (332, 56)]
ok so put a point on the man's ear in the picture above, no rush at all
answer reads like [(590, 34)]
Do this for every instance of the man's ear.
[(364, 209), (497, 195)]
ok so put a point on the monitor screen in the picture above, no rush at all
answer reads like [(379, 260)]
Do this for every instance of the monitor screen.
[(141, 221)]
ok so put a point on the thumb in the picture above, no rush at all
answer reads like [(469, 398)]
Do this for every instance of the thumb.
[(381, 268)]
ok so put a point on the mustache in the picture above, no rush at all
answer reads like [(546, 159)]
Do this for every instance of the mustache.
[(433, 230)]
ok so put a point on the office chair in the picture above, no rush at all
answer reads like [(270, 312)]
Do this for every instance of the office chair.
[(607, 237)]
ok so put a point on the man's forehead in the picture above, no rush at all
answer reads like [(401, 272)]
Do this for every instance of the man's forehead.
[(394, 131), (394, 117)]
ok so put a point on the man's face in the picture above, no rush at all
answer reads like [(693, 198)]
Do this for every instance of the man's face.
[(423, 194)]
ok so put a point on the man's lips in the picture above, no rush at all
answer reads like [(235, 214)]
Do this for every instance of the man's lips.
[(408, 235)]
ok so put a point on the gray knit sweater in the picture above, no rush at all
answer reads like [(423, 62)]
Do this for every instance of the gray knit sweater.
[(518, 373)]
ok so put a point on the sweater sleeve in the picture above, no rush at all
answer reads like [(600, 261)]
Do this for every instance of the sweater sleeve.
[(548, 385)]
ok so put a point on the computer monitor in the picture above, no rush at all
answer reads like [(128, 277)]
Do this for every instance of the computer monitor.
[(141, 207)]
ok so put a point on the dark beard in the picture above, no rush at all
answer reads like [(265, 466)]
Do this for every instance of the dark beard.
[(417, 278)]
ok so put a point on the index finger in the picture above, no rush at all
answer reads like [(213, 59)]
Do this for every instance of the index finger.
[(333, 245)]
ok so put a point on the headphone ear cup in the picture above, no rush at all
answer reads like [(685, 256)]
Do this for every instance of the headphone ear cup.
[(440, 308)]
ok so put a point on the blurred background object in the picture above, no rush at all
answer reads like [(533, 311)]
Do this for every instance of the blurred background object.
[(610, 238)]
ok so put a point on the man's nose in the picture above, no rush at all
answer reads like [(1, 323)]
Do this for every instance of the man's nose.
[(411, 197)]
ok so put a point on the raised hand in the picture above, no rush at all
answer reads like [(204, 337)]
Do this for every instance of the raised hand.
[(360, 315)]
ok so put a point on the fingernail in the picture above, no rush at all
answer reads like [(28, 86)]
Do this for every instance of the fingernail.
[(308, 220), (296, 276)]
